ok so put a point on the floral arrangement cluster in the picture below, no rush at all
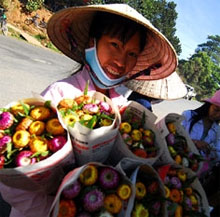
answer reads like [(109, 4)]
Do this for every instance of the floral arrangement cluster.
[(179, 151), (148, 198), (98, 191), (28, 134), (139, 139), (182, 198), (87, 111)]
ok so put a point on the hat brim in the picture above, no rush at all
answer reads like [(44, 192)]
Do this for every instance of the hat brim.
[(158, 50), (169, 88)]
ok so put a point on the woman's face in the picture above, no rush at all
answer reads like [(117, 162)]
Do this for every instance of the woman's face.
[(214, 113), (116, 58)]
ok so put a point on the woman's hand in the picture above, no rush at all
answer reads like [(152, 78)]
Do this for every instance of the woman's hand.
[(202, 146)]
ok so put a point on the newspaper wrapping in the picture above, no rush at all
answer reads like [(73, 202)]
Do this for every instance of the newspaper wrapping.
[(73, 175), (120, 149), (94, 144), (161, 125), (44, 175)]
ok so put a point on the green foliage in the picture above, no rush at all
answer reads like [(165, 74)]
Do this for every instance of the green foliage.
[(33, 5), (200, 72)]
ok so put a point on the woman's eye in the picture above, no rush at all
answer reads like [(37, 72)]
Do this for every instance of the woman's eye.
[(132, 54), (114, 44)]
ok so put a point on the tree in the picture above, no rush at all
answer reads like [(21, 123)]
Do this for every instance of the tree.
[(212, 47), (162, 15), (200, 72)]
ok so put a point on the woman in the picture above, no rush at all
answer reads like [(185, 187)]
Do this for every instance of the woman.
[(114, 44), (202, 124)]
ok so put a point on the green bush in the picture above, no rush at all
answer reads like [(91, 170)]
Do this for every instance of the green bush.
[(33, 5)]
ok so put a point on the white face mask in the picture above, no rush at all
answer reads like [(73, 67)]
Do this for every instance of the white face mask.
[(101, 79)]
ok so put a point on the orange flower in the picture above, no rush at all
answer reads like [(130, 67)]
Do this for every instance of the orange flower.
[(67, 208), (112, 203), (89, 175), (140, 153), (140, 190), (179, 211), (178, 159), (171, 127), (124, 191), (175, 195)]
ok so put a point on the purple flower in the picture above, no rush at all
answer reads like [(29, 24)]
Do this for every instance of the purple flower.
[(188, 203), (170, 139), (166, 180), (3, 142), (72, 191), (108, 178), (176, 182), (91, 108), (93, 200)]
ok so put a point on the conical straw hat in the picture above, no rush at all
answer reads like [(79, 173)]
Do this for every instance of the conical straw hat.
[(68, 29), (171, 87)]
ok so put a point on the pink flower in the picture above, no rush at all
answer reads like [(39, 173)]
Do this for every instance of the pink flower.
[(91, 108), (105, 107)]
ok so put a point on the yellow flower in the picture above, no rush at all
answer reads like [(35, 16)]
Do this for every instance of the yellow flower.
[(38, 144), (181, 175), (112, 203), (167, 191), (140, 211), (124, 191), (140, 190), (193, 199), (125, 127), (136, 135), (106, 122), (171, 127), (89, 175)]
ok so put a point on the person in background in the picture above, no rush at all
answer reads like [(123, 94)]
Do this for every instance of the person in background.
[(114, 44), (202, 124)]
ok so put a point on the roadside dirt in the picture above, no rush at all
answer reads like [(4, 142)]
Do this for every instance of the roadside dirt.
[(16, 15)]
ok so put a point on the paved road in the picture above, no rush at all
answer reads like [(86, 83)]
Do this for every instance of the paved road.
[(25, 68)]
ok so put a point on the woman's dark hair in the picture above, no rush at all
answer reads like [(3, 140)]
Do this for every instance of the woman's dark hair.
[(116, 26), (199, 113)]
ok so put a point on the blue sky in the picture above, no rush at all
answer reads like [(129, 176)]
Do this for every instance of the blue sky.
[(196, 20)]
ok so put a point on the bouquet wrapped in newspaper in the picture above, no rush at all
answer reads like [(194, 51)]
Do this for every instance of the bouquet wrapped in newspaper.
[(184, 193), (179, 146), (34, 146), (138, 136), (93, 190), (150, 194), (93, 122)]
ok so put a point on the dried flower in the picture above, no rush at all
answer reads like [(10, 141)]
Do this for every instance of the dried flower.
[(93, 200), (140, 190), (124, 191), (140, 211), (112, 203), (67, 208), (89, 175)]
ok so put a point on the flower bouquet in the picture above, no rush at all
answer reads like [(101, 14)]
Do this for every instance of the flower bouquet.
[(184, 193), (150, 195), (138, 137), (179, 146), (33, 145), (93, 190), (93, 122)]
